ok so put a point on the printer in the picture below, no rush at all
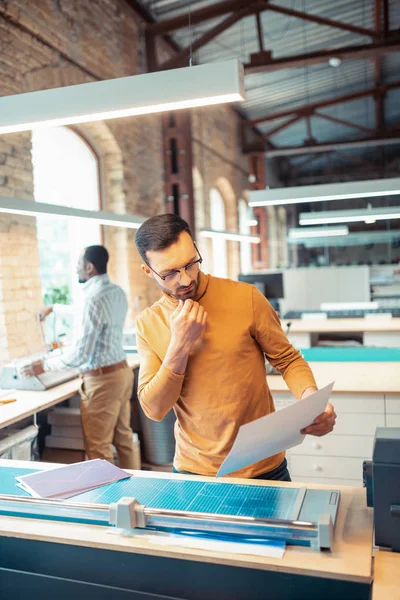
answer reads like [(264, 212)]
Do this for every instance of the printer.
[(382, 480), (10, 377)]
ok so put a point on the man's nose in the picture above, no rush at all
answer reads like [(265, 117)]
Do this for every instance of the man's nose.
[(184, 278)]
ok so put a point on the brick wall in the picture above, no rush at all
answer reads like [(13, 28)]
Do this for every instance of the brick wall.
[(19, 255), (53, 43), (219, 163)]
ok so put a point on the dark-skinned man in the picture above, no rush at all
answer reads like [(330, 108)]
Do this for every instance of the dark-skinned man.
[(97, 352)]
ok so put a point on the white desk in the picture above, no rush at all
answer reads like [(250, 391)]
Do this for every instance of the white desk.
[(30, 403), (365, 396), (88, 552), (376, 332)]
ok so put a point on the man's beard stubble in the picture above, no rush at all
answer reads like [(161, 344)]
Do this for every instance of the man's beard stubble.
[(179, 296)]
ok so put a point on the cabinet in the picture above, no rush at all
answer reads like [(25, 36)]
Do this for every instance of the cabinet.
[(336, 459), (392, 410)]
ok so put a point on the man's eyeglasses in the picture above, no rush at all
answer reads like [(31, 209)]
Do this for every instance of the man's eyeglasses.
[(174, 276)]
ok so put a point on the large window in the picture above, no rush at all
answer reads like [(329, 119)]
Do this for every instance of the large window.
[(65, 172), (217, 221)]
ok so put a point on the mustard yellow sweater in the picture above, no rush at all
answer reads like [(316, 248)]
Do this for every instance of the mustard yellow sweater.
[(224, 385)]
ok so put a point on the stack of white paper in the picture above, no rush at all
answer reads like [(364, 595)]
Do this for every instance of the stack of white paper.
[(71, 480)]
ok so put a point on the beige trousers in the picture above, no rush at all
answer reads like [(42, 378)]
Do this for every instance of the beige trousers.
[(106, 414)]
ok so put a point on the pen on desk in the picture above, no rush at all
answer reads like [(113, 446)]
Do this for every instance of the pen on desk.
[(7, 400)]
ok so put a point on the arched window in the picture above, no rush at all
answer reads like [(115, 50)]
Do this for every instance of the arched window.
[(245, 247), (65, 172), (217, 221)]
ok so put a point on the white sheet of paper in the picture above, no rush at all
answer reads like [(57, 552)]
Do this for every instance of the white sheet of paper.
[(268, 548), (274, 433)]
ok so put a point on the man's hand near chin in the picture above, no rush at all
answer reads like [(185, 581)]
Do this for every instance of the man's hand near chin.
[(324, 423)]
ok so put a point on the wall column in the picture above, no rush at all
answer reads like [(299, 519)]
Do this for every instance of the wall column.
[(257, 179), (178, 165)]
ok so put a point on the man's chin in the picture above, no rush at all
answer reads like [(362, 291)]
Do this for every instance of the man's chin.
[(187, 295)]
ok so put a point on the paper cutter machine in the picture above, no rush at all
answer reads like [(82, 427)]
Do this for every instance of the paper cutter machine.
[(295, 515)]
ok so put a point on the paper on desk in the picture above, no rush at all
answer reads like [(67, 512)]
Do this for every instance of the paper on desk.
[(267, 548), (274, 433), (70, 480), (270, 549)]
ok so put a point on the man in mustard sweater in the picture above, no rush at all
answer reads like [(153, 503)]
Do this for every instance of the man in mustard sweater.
[(202, 349)]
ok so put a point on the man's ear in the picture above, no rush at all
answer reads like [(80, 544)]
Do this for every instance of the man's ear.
[(146, 270), (90, 268)]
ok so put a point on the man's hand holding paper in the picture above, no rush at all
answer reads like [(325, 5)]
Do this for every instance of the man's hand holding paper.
[(280, 430)]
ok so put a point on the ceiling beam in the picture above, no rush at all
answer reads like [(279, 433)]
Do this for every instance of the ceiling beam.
[(290, 12), (343, 122), (386, 25), (260, 32), (322, 56), (198, 16), (275, 130), (181, 59), (330, 146), (223, 8), (148, 18), (338, 176), (296, 169), (309, 108), (379, 99)]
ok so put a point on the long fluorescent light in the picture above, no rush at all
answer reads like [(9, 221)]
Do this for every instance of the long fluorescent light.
[(30, 208), (316, 232), (349, 216), (318, 193), (213, 83), (229, 235), (353, 239)]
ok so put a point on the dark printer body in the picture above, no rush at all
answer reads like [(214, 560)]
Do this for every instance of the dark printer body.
[(382, 479)]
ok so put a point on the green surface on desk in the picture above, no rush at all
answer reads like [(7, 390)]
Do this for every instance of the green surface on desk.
[(362, 354)]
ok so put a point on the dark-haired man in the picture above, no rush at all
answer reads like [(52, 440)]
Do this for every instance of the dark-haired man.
[(202, 351), (97, 352)]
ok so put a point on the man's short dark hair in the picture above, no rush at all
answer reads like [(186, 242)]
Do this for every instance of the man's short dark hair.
[(98, 256), (159, 233)]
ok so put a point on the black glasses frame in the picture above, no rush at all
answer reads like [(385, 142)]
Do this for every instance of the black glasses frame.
[(164, 277)]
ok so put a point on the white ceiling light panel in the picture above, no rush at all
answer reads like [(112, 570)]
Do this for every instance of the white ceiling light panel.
[(316, 232), (18, 206), (189, 87), (325, 192), (331, 217), (229, 235)]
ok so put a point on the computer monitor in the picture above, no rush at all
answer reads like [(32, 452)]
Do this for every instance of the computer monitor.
[(269, 284)]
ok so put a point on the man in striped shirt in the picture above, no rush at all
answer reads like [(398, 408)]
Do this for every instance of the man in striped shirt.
[(98, 353)]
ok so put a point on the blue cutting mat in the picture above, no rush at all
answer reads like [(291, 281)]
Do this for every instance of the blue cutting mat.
[(8, 483), (178, 494), (220, 498)]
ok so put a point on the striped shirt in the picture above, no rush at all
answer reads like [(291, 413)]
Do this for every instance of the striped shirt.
[(99, 341)]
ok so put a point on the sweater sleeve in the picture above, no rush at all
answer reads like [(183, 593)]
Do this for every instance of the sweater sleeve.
[(159, 388), (279, 351)]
